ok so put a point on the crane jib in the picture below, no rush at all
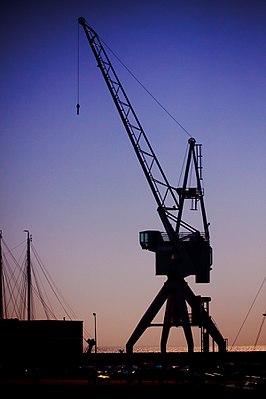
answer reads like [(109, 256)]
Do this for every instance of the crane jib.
[(164, 193)]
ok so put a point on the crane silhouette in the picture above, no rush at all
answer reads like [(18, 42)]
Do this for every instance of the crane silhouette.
[(181, 250)]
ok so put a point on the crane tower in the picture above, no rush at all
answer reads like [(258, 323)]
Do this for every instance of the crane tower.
[(181, 250)]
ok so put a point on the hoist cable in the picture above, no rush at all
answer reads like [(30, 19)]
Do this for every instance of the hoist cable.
[(78, 105)]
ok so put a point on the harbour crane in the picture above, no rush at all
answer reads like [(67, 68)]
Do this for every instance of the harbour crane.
[(181, 250)]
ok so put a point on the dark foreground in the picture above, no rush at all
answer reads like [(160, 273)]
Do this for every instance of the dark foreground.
[(121, 389), (146, 375)]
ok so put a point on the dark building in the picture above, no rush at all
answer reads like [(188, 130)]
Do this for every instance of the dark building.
[(40, 343)]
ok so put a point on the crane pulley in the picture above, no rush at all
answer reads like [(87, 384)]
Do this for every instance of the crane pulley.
[(182, 250)]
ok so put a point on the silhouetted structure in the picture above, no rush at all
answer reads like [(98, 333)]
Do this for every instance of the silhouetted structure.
[(181, 250), (40, 343)]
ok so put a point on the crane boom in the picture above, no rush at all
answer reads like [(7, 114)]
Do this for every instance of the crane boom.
[(178, 254), (165, 195)]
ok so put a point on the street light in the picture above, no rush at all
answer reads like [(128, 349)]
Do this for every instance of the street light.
[(95, 332)]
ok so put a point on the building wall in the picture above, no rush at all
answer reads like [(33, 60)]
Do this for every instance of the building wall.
[(40, 343)]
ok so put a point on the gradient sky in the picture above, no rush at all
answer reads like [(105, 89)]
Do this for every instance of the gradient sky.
[(75, 182)]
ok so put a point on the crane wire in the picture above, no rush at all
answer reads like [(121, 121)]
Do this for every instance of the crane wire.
[(147, 91), (150, 94), (137, 80), (78, 56)]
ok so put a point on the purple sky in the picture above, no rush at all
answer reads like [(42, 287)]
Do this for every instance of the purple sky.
[(75, 182)]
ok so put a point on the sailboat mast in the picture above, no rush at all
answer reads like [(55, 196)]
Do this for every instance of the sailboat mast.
[(28, 276)]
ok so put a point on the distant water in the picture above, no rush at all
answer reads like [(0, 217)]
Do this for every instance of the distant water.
[(145, 349)]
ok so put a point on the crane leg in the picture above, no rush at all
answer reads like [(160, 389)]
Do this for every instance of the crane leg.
[(148, 317), (176, 314), (180, 304), (168, 321)]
